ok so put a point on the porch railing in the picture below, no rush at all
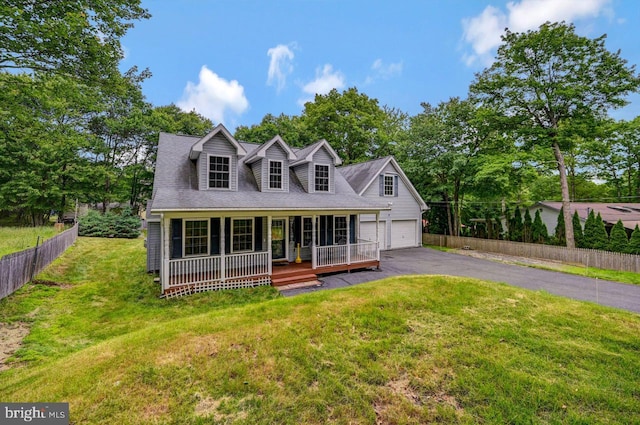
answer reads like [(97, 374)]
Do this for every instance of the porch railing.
[(336, 255), (186, 271)]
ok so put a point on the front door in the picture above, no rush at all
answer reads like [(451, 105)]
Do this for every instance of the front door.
[(278, 238)]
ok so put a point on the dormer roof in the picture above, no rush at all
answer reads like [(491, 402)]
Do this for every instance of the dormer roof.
[(306, 155), (196, 149), (261, 151)]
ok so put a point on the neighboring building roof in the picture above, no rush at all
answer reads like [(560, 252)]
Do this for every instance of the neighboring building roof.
[(362, 175), (175, 186), (629, 213)]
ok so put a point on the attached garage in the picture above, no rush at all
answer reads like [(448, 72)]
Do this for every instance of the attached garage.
[(403, 233)]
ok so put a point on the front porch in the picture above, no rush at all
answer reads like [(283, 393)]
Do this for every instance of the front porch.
[(191, 275)]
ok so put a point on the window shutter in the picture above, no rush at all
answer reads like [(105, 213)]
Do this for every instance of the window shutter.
[(329, 230), (297, 230), (381, 180), (395, 186), (352, 229), (176, 238), (227, 235), (215, 236), (258, 234), (323, 230)]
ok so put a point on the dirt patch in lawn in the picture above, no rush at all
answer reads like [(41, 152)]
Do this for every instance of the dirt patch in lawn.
[(511, 259), (11, 336)]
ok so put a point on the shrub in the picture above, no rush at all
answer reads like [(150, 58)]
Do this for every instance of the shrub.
[(110, 225), (634, 242), (618, 241)]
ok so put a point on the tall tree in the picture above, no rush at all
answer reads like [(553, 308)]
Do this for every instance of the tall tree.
[(549, 86), (618, 240), (539, 229), (291, 128), (601, 238), (577, 230), (527, 227), (351, 122), (78, 38), (559, 232)]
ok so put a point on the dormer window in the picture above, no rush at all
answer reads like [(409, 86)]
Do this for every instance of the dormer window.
[(219, 172), (275, 174), (388, 185), (321, 178)]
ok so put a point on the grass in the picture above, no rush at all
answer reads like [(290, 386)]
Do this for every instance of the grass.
[(405, 350), (14, 239)]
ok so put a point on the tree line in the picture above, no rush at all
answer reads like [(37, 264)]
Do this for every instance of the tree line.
[(534, 126)]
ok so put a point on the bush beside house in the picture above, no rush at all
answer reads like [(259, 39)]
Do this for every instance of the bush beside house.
[(110, 225)]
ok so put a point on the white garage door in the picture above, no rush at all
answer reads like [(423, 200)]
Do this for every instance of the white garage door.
[(403, 233), (368, 232)]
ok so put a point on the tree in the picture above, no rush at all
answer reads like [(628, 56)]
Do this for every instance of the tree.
[(618, 240), (560, 233), (600, 237), (291, 128), (351, 122), (549, 86), (539, 229), (516, 226), (577, 230), (78, 39), (634, 242), (527, 227)]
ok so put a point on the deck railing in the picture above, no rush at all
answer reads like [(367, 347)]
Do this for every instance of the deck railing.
[(196, 270), (337, 255)]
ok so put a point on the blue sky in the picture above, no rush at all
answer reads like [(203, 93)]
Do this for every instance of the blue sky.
[(234, 61)]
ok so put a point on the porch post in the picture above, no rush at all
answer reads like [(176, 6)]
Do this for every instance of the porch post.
[(348, 239), (166, 236), (269, 250), (223, 249), (378, 235), (313, 242)]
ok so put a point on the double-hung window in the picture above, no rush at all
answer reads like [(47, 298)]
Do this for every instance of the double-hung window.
[(388, 185), (196, 237), (321, 178), (219, 172), (340, 230), (275, 174), (242, 234)]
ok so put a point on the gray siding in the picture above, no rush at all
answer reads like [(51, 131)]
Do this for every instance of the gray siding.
[(153, 247), (275, 152), (256, 169), (405, 206), (218, 145), (302, 172)]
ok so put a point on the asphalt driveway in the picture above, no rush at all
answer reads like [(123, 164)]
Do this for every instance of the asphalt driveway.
[(432, 262)]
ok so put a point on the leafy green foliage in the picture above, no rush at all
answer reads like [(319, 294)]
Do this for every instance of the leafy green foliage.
[(539, 229), (634, 242), (516, 226), (618, 240), (527, 227), (559, 232), (577, 230), (110, 225)]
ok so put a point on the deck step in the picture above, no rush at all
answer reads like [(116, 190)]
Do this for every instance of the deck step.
[(297, 278), (299, 285)]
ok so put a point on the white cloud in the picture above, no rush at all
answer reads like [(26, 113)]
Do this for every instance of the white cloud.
[(384, 71), (483, 32), (280, 65), (213, 96), (326, 80)]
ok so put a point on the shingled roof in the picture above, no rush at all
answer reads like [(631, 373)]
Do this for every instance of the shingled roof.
[(175, 186), (629, 213)]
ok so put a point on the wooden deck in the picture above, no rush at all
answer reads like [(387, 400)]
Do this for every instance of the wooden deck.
[(290, 273)]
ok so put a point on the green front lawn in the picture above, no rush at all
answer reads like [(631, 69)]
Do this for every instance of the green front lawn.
[(404, 350)]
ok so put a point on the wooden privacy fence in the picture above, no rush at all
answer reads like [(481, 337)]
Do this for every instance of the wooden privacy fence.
[(585, 257), (17, 268)]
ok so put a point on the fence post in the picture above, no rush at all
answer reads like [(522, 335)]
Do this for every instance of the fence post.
[(35, 260)]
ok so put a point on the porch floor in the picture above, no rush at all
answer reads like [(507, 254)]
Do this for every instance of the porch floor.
[(292, 273)]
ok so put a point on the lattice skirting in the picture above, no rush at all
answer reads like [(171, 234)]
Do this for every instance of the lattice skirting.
[(216, 286)]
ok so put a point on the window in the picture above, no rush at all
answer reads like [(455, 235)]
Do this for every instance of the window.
[(219, 171), (322, 178), (275, 174), (388, 185), (340, 230), (196, 237), (242, 235), (307, 231)]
